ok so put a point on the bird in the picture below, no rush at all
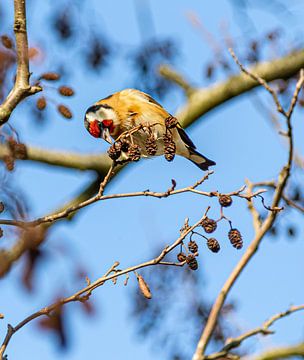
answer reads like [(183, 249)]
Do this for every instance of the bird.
[(129, 109)]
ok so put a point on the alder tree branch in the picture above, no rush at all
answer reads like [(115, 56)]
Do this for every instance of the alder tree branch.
[(71, 160), (265, 225), (170, 74), (9, 256), (199, 102), (89, 196), (204, 100), (233, 343), (85, 293), (101, 197), (22, 87), (282, 353)]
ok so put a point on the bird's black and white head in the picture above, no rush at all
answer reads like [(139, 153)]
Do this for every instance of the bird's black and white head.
[(101, 121)]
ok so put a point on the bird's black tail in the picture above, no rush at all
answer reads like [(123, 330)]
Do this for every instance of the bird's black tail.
[(200, 160)]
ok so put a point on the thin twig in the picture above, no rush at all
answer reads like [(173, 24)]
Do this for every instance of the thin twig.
[(100, 197), (84, 294), (265, 226), (260, 81), (233, 343)]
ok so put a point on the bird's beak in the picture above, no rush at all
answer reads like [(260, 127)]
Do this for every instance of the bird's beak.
[(106, 135)]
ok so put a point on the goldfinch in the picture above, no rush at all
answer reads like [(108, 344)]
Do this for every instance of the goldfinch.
[(135, 113)]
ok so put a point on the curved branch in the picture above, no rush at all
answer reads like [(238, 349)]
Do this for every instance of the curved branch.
[(72, 160), (203, 100), (233, 343)]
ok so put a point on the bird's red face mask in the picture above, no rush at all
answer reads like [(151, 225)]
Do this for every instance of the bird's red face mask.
[(100, 129)]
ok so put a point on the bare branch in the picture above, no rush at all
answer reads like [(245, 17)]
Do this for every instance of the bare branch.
[(100, 197), (96, 162), (203, 100), (233, 343), (22, 87), (261, 81), (265, 226), (84, 294)]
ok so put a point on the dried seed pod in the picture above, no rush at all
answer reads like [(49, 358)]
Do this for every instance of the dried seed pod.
[(192, 246), (143, 286), (114, 151), (134, 152), (1, 232), (41, 103), (64, 111), (65, 91), (209, 225), (235, 238), (7, 42), (1, 207), (213, 245), (151, 145), (225, 200), (192, 262), (169, 147), (50, 76), (171, 122), (9, 162), (181, 257)]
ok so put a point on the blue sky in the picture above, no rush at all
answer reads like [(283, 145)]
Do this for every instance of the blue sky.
[(236, 136)]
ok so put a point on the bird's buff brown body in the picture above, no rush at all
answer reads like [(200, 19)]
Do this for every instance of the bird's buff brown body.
[(130, 108)]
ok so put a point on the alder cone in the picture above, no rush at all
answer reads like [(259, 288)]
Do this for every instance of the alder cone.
[(41, 103), (7, 42), (134, 152), (50, 76), (65, 91), (114, 151), (213, 245), (181, 257), (209, 225), (192, 262), (192, 246), (235, 238), (225, 200), (169, 147), (151, 145), (65, 111)]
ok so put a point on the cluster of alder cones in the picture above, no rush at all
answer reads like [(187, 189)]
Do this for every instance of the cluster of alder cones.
[(132, 151), (209, 225), (63, 90)]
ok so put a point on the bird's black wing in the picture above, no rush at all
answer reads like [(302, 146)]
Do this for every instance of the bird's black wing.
[(185, 137)]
